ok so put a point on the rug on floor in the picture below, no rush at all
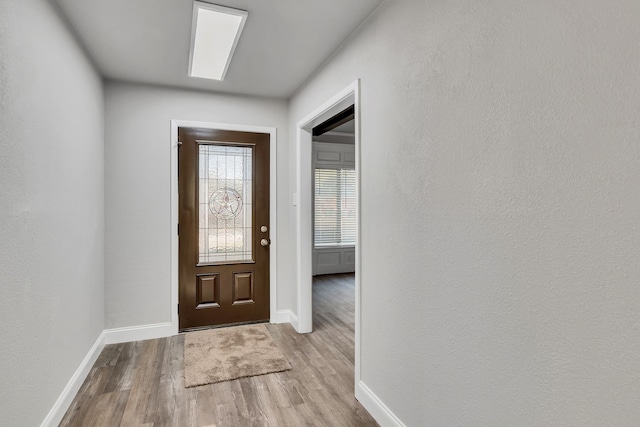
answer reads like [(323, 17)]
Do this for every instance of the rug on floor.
[(224, 354)]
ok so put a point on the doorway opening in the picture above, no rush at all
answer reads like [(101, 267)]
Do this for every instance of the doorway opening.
[(334, 195), (341, 109)]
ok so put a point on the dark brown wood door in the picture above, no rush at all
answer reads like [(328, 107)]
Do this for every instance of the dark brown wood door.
[(223, 184)]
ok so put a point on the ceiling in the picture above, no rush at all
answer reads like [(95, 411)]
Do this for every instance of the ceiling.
[(343, 134), (349, 127), (147, 41)]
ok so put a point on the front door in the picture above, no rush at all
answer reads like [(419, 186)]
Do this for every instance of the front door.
[(223, 184)]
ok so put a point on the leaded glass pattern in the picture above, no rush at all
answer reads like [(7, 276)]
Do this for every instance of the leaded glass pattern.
[(225, 203)]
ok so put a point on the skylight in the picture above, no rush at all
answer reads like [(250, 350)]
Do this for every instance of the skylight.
[(215, 31)]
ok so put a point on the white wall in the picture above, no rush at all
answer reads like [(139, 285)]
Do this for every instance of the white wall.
[(137, 192), (500, 208), (51, 209)]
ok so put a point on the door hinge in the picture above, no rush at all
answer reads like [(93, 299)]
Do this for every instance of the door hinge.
[(178, 229), (178, 308)]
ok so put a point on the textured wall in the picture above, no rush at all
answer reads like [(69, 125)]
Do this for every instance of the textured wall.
[(501, 151), (137, 191), (51, 209)]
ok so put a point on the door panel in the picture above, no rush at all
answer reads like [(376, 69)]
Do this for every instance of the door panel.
[(223, 181)]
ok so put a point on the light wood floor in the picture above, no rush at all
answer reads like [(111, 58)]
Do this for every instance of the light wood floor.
[(141, 383)]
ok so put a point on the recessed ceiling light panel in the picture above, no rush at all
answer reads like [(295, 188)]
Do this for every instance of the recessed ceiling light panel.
[(215, 31)]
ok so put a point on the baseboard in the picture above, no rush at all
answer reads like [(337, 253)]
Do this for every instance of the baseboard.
[(59, 408), (108, 336), (334, 269), (293, 319), (138, 333), (280, 316), (376, 407), (285, 316)]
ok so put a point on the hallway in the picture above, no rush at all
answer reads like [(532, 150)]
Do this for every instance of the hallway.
[(141, 383)]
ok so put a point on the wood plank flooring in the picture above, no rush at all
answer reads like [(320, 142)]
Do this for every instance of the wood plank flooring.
[(141, 383)]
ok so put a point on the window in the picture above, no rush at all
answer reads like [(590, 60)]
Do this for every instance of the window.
[(335, 207)]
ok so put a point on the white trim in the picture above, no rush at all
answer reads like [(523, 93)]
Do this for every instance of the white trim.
[(286, 316), (273, 284), (293, 319), (138, 333), (358, 269), (69, 392), (378, 410), (304, 229), (304, 213)]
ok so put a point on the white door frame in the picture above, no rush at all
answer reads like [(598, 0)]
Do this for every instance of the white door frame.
[(273, 285), (304, 213)]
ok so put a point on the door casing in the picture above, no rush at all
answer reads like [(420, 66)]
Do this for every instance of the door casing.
[(303, 198), (175, 124)]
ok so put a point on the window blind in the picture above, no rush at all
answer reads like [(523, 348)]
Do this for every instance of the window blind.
[(335, 207)]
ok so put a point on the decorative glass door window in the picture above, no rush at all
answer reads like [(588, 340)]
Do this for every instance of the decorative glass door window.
[(225, 200), (334, 207)]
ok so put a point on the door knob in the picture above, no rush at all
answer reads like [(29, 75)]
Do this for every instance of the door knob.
[(264, 242)]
